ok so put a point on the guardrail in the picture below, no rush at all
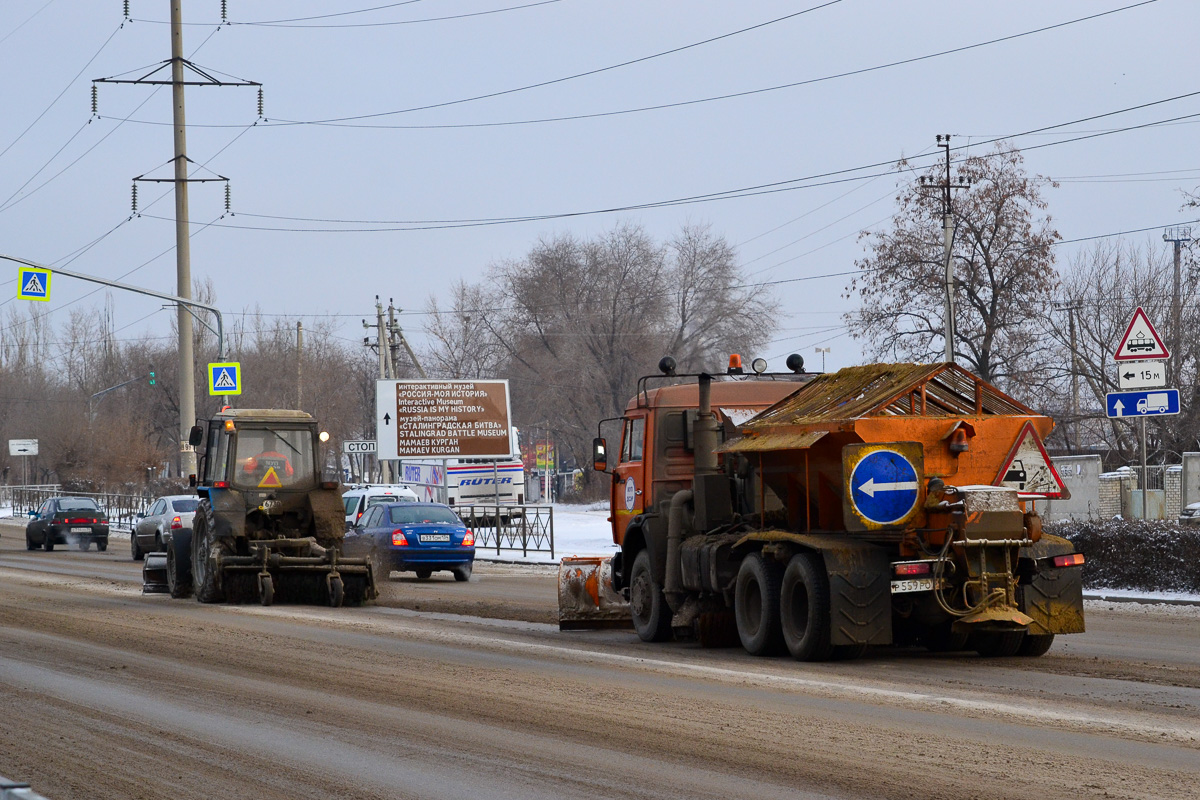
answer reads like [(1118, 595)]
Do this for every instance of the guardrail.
[(121, 508), (527, 528)]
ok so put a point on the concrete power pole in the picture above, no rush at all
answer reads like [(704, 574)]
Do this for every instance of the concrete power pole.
[(944, 187), (183, 256), (183, 252), (1179, 236), (299, 365)]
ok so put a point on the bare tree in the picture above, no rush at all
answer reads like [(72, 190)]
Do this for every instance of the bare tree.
[(1003, 265)]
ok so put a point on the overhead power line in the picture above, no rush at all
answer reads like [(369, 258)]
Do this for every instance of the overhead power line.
[(791, 184)]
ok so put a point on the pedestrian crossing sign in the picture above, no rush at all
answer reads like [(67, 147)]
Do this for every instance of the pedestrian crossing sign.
[(33, 284), (225, 378)]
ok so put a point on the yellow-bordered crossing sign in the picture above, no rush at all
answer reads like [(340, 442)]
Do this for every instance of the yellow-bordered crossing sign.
[(33, 284), (225, 377)]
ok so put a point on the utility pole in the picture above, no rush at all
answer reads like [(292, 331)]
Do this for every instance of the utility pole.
[(183, 257), (1179, 236), (299, 365), (183, 249), (945, 186), (385, 370), (1071, 309), (394, 330)]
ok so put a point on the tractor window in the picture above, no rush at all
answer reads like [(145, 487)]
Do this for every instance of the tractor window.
[(273, 459), (635, 434), (216, 454)]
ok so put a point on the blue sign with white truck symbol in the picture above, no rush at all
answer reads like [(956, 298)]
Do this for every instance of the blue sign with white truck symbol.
[(1155, 402)]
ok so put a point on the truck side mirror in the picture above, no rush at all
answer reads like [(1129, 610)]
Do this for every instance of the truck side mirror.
[(599, 454), (195, 436)]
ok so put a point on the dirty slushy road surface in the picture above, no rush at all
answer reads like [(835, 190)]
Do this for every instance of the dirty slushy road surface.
[(448, 690)]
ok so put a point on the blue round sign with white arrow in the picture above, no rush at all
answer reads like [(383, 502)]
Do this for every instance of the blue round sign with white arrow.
[(884, 487)]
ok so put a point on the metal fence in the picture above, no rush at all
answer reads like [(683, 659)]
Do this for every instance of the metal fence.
[(121, 508), (527, 528)]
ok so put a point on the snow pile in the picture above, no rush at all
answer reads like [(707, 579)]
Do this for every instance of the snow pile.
[(1142, 555)]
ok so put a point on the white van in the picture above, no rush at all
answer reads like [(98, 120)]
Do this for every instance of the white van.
[(359, 497)]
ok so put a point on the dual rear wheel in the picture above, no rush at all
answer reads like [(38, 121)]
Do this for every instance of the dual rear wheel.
[(778, 607)]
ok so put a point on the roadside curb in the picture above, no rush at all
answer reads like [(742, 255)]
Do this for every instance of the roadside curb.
[(1141, 599)]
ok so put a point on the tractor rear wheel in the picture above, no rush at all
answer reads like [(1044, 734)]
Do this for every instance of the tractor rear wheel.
[(205, 546), (804, 611), (756, 605)]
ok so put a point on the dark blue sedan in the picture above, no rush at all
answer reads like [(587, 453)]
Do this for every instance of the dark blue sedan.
[(413, 537)]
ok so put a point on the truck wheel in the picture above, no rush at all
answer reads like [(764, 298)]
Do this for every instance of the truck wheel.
[(996, 644), (651, 614), (941, 638), (756, 605), (205, 579), (135, 552), (804, 610), (179, 566), (1035, 644)]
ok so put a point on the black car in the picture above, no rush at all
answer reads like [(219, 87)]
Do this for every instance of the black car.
[(67, 520)]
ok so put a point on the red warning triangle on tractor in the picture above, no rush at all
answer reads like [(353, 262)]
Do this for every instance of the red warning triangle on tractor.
[(270, 480), (1140, 341), (1028, 468)]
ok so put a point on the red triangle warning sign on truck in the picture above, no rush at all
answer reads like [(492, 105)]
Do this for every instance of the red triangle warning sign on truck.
[(1028, 468), (1140, 341)]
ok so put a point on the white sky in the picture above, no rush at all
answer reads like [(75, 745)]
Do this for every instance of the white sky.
[(1136, 56)]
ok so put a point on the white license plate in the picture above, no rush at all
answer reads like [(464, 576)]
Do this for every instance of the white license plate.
[(81, 530), (434, 537), (912, 585)]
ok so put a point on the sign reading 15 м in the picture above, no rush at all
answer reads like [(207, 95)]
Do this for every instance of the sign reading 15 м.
[(442, 419)]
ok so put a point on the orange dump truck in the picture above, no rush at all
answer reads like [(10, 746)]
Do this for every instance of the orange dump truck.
[(883, 504)]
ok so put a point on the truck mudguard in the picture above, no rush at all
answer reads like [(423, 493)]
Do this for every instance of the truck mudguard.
[(1054, 596), (860, 590)]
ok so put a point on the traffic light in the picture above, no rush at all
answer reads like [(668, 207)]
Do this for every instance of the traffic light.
[(151, 377)]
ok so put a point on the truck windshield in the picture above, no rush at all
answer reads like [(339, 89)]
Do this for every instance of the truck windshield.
[(273, 459)]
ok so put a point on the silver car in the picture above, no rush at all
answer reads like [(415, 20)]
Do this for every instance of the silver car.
[(1190, 515), (164, 516)]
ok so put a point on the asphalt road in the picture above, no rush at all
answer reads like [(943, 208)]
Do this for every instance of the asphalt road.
[(449, 690)]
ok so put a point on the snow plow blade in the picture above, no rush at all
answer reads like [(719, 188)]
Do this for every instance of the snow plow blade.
[(154, 574), (586, 598)]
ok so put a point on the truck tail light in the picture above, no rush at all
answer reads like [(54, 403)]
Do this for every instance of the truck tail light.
[(1072, 560), (398, 538), (912, 568), (176, 524), (468, 539)]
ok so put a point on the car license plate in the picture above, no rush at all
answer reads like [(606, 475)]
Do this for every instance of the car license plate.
[(912, 585), (81, 530), (434, 537)]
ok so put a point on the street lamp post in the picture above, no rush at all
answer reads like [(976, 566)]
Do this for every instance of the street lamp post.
[(822, 351)]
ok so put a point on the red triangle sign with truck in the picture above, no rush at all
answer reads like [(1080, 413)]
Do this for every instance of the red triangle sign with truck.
[(1028, 468), (1140, 341)]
